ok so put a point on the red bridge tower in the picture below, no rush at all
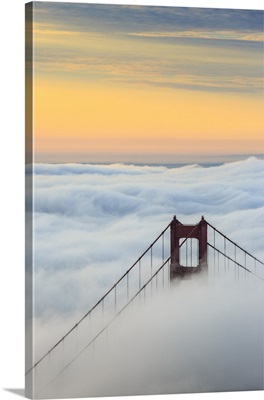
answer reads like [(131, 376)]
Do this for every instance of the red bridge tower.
[(180, 231)]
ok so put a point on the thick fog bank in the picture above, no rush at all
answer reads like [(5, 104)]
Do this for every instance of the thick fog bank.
[(91, 223), (193, 338)]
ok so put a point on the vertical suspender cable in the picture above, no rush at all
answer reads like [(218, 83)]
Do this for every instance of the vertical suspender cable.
[(128, 286), (163, 258), (115, 298), (191, 254), (214, 247), (139, 273), (151, 266), (225, 252)]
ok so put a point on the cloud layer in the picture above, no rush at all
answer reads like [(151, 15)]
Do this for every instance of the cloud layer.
[(91, 218), (92, 222), (190, 339)]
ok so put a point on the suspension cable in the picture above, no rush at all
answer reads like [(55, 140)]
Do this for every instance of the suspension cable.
[(231, 241), (108, 324), (101, 299), (235, 262)]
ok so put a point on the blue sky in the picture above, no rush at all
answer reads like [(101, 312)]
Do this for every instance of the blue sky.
[(127, 18)]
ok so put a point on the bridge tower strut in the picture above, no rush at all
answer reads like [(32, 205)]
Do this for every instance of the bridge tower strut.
[(179, 231)]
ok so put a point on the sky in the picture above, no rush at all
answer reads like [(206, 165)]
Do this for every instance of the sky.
[(80, 209), (12, 373), (150, 85), (133, 83)]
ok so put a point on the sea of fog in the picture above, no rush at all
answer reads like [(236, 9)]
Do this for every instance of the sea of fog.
[(91, 222)]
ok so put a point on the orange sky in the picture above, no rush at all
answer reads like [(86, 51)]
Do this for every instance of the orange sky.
[(76, 117), (130, 95)]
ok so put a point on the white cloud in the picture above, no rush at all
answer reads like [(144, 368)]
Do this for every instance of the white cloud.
[(194, 338), (93, 221), (87, 216)]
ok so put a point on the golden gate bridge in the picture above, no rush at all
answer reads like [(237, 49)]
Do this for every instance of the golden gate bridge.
[(180, 252)]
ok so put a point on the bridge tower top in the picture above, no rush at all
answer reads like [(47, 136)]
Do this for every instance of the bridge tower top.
[(187, 232)]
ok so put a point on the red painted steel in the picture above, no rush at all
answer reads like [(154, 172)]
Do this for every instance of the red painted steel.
[(180, 231)]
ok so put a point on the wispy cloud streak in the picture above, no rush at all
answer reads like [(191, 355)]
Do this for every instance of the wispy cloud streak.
[(148, 45), (199, 34)]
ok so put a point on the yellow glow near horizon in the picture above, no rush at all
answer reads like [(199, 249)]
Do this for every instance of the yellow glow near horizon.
[(85, 115)]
